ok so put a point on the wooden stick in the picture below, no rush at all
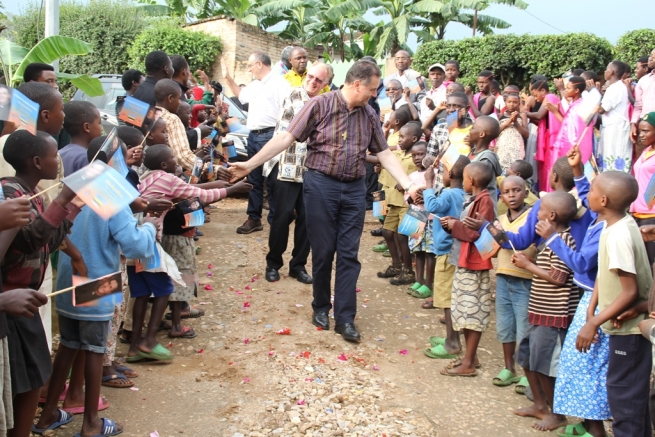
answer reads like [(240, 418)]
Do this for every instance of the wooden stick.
[(60, 291), (584, 132), (510, 243), (47, 189)]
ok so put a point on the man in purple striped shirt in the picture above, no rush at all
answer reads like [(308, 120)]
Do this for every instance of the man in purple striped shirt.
[(339, 127)]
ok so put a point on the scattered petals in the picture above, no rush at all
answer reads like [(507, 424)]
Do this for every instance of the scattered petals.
[(134, 389), (285, 331), (154, 434), (305, 354), (209, 273), (321, 360), (246, 341), (246, 380), (201, 350), (239, 292), (247, 287), (403, 352), (208, 287), (210, 266), (231, 288), (170, 344), (376, 368), (246, 304), (298, 305), (271, 353), (254, 278), (358, 290), (318, 328), (301, 402), (342, 357)]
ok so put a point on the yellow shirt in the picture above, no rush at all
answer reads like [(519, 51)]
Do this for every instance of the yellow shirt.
[(505, 265), (392, 141), (530, 199), (393, 196), (456, 138), (295, 80)]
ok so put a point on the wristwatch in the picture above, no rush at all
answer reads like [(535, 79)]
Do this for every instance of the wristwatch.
[(409, 186)]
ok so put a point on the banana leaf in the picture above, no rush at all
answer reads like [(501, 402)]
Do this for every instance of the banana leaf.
[(90, 86)]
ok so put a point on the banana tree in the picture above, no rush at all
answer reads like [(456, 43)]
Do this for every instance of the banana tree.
[(47, 51)]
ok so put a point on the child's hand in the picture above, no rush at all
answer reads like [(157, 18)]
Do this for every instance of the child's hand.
[(646, 326), (590, 84), (551, 107), (377, 169), (647, 233), (446, 222), (220, 184), (442, 106), (159, 205), (239, 187), (474, 224), (79, 266), (586, 337), (134, 155), (626, 315), (545, 229), (429, 177), (574, 156), (399, 188), (419, 196), (223, 173), (429, 103), (139, 205), (520, 260), (406, 93), (22, 302), (468, 91), (15, 213)]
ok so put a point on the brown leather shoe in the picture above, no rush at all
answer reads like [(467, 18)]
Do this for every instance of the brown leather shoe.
[(250, 226)]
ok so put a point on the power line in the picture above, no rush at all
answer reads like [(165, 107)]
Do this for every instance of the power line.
[(550, 25)]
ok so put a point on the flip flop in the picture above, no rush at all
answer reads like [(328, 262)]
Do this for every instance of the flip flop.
[(569, 430), (102, 405), (62, 396), (450, 371), (64, 418), (427, 305), (435, 341), (186, 333), (438, 352), (127, 371), (158, 353), (423, 292), (458, 362), (108, 429), (117, 381), (414, 287), (521, 385), (505, 378)]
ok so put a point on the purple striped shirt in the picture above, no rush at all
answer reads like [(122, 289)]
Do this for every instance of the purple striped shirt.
[(337, 139)]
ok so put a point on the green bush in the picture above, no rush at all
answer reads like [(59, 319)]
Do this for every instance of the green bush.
[(199, 48), (635, 44), (515, 58), (109, 26)]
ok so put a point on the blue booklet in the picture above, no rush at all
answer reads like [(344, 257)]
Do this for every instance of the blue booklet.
[(150, 263), (134, 111), (492, 235), (649, 195), (193, 210), (379, 204), (23, 112), (413, 223)]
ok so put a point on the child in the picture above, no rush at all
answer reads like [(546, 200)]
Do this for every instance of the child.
[(446, 203), (441, 134), (452, 72), (615, 147), (512, 283), (399, 118), (439, 113), (158, 134), (471, 295), (177, 241), (522, 169), (499, 104), (624, 279), (34, 157), (644, 169), (84, 330), (400, 271), (83, 124), (485, 130), (422, 247), (510, 145), (551, 296), (184, 113), (483, 102)]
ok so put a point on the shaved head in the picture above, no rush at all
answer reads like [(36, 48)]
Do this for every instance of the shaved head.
[(562, 204), (481, 173), (512, 180), (488, 125), (621, 189)]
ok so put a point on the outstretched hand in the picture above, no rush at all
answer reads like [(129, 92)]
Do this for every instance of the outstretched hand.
[(239, 170), (574, 156)]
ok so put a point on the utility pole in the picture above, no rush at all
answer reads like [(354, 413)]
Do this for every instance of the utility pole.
[(52, 22)]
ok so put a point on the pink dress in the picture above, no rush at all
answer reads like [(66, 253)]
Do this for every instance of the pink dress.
[(571, 132), (547, 132)]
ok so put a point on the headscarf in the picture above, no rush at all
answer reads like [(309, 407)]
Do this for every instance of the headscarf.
[(198, 93), (193, 123)]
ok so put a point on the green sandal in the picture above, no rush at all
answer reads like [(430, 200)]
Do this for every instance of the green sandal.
[(522, 385), (577, 430), (381, 248), (436, 341), (423, 292), (158, 353), (505, 378), (134, 359), (438, 352), (414, 287)]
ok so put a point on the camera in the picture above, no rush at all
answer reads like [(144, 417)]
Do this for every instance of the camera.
[(217, 86)]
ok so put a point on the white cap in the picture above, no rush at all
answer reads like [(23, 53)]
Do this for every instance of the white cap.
[(433, 66)]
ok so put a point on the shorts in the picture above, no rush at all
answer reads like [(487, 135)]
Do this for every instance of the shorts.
[(395, 215), (444, 273), (512, 297), (540, 349), (84, 334), (145, 284)]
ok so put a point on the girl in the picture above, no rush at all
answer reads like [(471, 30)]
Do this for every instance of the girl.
[(644, 171), (483, 102), (510, 144), (615, 147)]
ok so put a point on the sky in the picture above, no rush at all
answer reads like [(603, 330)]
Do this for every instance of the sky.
[(605, 18)]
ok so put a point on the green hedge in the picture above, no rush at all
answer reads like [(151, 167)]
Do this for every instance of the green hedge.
[(635, 44), (515, 58), (199, 48)]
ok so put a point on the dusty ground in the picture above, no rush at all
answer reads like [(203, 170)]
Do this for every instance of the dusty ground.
[(239, 378)]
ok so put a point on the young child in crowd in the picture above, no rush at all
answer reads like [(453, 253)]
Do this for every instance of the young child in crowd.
[(447, 202), (485, 130), (33, 157), (440, 112), (177, 241), (553, 300), (522, 169), (499, 104), (83, 123), (456, 136), (614, 151), (512, 283), (471, 295), (452, 72), (399, 118), (400, 271), (483, 102), (158, 134), (624, 279), (85, 330), (423, 246), (513, 133)]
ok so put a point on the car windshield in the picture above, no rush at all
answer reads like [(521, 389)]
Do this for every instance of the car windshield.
[(108, 100)]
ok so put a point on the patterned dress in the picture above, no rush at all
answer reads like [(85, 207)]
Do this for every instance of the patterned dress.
[(510, 145)]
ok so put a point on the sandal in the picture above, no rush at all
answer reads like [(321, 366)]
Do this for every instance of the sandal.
[(64, 418), (390, 272), (423, 292), (521, 385), (127, 339), (414, 287), (438, 352), (505, 378), (134, 359), (117, 381), (458, 362), (428, 305), (381, 248), (102, 405), (159, 352), (164, 326), (405, 277), (186, 332), (126, 371), (62, 396), (435, 341), (109, 429), (450, 371), (577, 430)]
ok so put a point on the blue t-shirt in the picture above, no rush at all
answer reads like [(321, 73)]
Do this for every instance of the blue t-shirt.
[(448, 202), (74, 158)]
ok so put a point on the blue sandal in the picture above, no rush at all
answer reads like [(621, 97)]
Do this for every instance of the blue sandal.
[(64, 419), (108, 429)]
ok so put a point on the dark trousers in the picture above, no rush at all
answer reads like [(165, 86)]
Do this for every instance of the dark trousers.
[(335, 219), (628, 381), (287, 197), (650, 246), (371, 184), (256, 178)]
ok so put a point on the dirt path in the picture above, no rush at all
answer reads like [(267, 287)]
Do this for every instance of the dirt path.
[(239, 377)]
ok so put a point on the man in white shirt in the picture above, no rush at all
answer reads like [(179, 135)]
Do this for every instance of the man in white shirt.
[(436, 95), (265, 96), (405, 74)]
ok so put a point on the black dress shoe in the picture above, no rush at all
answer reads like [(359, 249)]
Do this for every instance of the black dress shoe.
[(321, 320), (301, 277), (199, 233), (272, 275), (348, 332), (376, 232)]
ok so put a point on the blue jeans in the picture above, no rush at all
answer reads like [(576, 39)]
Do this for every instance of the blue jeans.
[(512, 297), (335, 213), (256, 178)]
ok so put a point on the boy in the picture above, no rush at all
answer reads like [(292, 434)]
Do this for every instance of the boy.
[(439, 112), (452, 72), (400, 271), (486, 129), (85, 329), (471, 294), (83, 124), (512, 283), (398, 118), (624, 278), (446, 203), (34, 157), (524, 170), (158, 134), (551, 296)]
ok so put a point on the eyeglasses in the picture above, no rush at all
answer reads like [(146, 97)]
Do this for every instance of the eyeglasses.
[(253, 64), (454, 106), (311, 78)]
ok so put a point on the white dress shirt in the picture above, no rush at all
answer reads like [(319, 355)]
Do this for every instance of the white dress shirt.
[(265, 98)]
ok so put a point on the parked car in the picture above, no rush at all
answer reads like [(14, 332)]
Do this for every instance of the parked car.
[(113, 88)]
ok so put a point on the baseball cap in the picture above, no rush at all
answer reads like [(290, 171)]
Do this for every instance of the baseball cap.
[(433, 66)]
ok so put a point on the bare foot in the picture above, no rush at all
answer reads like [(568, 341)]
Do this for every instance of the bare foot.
[(550, 422), (532, 411)]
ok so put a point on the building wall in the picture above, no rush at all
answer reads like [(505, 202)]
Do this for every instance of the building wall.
[(239, 41)]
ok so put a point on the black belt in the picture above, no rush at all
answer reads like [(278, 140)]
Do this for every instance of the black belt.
[(332, 177), (262, 131)]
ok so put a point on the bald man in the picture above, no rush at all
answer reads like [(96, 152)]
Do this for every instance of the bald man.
[(404, 74)]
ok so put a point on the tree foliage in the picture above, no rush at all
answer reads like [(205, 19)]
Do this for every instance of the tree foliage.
[(199, 48), (515, 58), (635, 44)]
